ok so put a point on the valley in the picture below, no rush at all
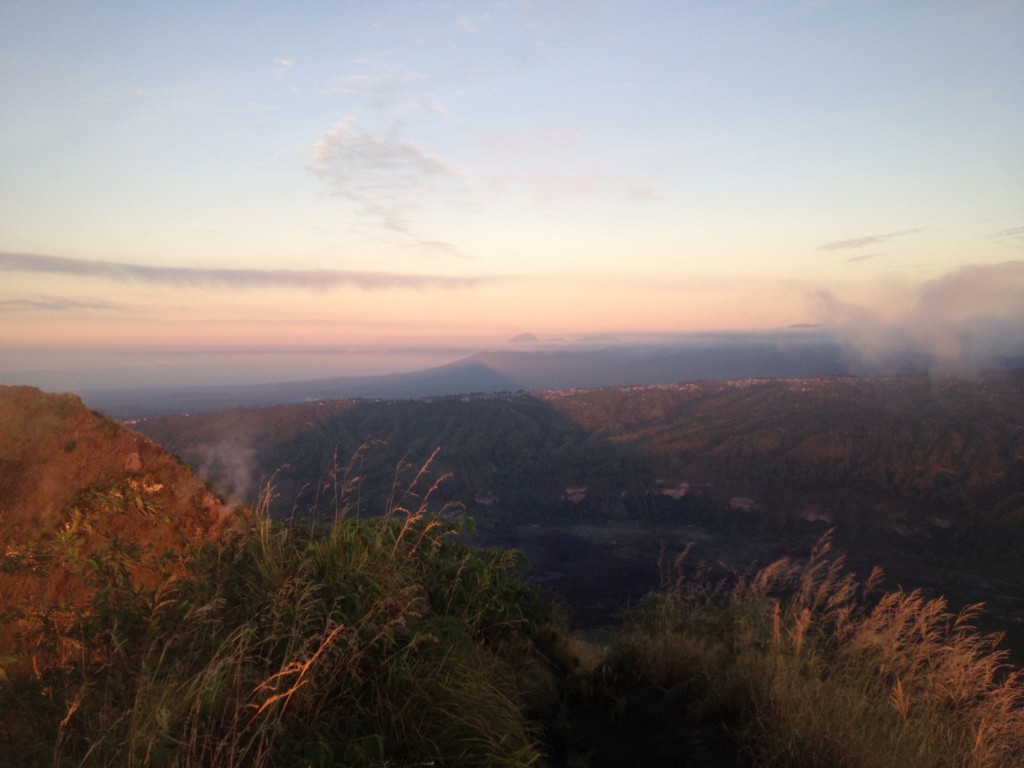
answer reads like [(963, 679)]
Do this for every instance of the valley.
[(922, 476)]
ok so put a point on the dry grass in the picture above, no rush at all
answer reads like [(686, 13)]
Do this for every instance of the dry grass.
[(811, 668), (372, 641), (378, 641)]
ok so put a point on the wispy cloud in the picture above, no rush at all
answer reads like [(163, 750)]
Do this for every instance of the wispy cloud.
[(381, 82), (381, 162), (432, 32), (311, 280), (541, 153), (384, 177), (56, 304), (547, 187), (959, 321), (863, 257), (646, 192), (860, 242), (467, 24), (391, 90), (386, 89), (1013, 233), (547, 138)]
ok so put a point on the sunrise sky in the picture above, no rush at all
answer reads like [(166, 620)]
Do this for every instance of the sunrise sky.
[(223, 175)]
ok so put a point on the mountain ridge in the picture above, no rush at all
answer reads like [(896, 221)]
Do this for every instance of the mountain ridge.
[(505, 370)]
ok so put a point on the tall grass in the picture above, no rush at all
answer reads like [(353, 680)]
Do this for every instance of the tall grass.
[(350, 639), (808, 667), (364, 641)]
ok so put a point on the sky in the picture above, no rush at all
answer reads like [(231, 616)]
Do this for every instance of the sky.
[(198, 176)]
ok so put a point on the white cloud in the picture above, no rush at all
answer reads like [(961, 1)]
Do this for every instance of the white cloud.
[(959, 321), (389, 179)]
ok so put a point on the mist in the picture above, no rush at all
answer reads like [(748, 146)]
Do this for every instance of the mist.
[(100, 368), (963, 322)]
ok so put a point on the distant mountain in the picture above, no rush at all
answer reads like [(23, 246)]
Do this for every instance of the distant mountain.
[(74, 481), (457, 378), (648, 365), (597, 361), (562, 367), (524, 338)]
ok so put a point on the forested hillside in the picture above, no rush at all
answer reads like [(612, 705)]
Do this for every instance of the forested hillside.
[(909, 456)]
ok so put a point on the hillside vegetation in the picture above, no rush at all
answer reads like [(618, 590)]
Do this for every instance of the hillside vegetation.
[(361, 632), (359, 644), (908, 456), (78, 487), (382, 642)]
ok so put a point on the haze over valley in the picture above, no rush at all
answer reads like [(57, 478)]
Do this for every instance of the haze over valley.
[(146, 383)]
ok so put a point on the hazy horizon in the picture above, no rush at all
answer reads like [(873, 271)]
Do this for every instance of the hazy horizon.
[(78, 370), (448, 175), (875, 350), (122, 367)]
